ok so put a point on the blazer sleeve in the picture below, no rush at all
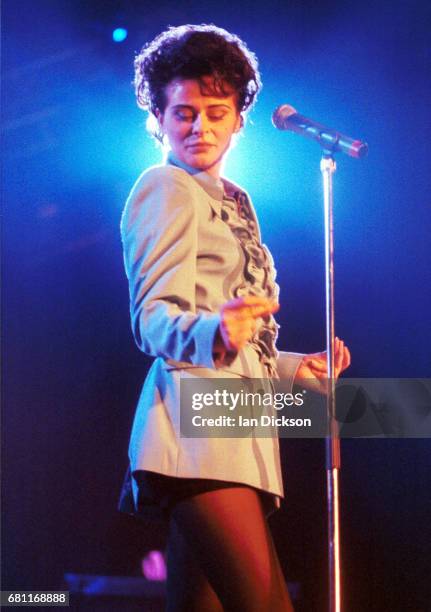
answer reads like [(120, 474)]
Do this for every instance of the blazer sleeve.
[(287, 365), (159, 230)]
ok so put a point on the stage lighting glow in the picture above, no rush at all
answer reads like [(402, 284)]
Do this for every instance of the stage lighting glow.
[(154, 566), (119, 34)]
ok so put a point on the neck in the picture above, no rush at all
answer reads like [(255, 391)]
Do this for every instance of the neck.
[(215, 170)]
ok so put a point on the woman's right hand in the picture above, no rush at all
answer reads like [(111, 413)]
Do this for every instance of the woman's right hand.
[(238, 319)]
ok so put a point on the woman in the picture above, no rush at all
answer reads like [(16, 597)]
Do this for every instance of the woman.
[(202, 296)]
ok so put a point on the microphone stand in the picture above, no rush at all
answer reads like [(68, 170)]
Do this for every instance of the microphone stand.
[(286, 118), (332, 441)]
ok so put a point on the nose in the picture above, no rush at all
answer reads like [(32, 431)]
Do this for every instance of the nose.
[(200, 124)]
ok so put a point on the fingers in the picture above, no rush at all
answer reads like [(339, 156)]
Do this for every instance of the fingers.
[(238, 318), (247, 309), (251, 306), (250, 300), (347, 360), (339, 353), (318, 361), (342, 357), (313, 371), (237, 332)]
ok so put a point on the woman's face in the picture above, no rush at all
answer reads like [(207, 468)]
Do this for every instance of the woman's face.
[(199, 127)]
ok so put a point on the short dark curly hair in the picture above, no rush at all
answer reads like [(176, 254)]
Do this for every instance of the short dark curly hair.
[(192, 52)]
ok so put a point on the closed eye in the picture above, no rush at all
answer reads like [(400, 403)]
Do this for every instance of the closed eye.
[(184, 115), (216, 117)]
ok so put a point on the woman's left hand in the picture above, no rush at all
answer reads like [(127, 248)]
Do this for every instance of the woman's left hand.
[(312, 372)]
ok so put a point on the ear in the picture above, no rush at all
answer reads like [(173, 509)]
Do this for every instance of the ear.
[(239, 124), (155, 124), (159, 116)]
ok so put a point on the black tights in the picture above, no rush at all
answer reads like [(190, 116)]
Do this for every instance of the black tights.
[(221, 556)]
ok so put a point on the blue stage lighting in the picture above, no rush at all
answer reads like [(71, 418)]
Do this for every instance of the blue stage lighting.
[(119, 34)]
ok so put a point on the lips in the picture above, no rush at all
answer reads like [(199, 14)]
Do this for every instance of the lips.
[(199, 145)]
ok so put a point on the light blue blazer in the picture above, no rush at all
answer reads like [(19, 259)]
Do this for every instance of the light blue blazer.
[(181, 261)]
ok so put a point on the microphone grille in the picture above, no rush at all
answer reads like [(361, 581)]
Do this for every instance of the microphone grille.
[(280, 114)]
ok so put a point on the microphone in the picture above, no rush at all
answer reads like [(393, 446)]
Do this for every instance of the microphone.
[(285, 117)]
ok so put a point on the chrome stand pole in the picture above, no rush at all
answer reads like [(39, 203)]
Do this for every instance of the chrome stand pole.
[(333, 458)]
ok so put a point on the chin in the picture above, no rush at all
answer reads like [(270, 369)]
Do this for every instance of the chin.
[(201, 161)]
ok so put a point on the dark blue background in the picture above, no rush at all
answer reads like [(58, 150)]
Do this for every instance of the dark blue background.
[(73, 144)]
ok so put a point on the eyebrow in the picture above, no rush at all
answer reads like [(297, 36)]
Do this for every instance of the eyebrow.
[(210, 106)]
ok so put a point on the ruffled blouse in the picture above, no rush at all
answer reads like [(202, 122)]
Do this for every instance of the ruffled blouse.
[(259, 272)]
